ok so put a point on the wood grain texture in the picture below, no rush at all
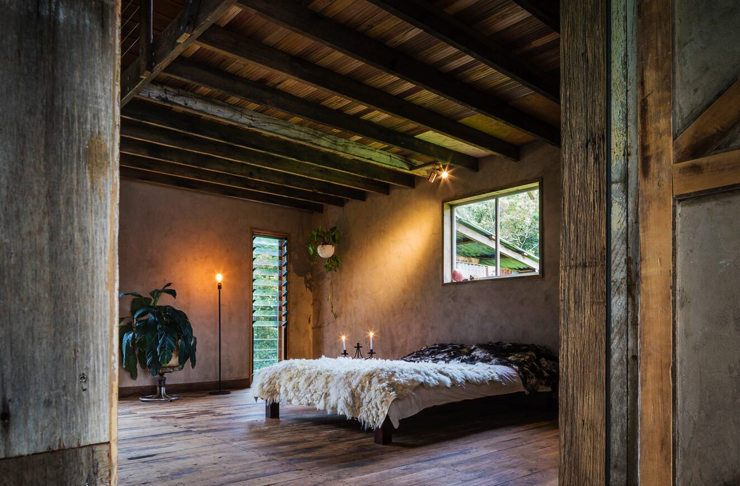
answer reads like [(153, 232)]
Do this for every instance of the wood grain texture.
[(86, 466), (655, 127), (214, 441), (246, 50), (707, 131), (242, 117), (296, 18), (546, 11), (707, 173), (58, 227), (583, 233)]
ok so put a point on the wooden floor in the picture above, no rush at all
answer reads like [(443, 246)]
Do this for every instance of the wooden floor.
[(225, 440)]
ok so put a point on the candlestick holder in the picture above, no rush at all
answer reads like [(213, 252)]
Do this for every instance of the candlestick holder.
[(344, 354), (371, 354), (358, 353)]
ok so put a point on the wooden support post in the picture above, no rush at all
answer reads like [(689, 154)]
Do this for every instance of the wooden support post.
[(272, 410), (384, 433)]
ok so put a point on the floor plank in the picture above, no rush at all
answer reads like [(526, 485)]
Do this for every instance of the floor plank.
[(225, 440)]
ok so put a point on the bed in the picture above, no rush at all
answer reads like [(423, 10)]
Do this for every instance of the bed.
[(380, 393)]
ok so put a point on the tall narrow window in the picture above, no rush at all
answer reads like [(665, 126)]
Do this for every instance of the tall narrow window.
[(269, 300), (493, 235)]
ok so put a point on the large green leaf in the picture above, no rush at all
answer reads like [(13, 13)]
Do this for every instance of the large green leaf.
[(166, 346), (128, 354), (192, 352)]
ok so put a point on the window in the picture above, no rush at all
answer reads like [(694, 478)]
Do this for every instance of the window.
[(493, 235), (269, 299)]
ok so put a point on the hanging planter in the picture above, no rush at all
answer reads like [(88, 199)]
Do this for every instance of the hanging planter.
[(323, 244)]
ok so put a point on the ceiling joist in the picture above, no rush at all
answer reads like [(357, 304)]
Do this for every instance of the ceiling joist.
[(301, 20), (236, 115), (247, 50), (245, 89), (438, 23), (547, 11)]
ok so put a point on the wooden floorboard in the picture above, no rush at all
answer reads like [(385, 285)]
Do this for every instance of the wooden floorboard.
[(225, 440)]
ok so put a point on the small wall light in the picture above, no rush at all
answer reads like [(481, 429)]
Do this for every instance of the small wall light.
[(440, 171)]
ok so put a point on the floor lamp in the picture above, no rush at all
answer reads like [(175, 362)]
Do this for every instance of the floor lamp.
[(219, 278)]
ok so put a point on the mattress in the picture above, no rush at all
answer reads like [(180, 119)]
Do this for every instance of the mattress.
[(424, 397)]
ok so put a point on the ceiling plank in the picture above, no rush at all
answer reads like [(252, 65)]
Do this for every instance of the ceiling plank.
[(219, 110), (448, 29), (245, 89), (201, 186), (250, 51), (153, 114), (546, 11), (170, 138), (707, 131), (215, 164), (294, 17), (178, 170), (178, 36)]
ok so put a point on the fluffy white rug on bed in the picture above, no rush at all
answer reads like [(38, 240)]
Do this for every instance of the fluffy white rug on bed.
[(358, 388)]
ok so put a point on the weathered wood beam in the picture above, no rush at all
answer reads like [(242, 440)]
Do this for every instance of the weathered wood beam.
[(184, 171), (235, 192), (250, 51), (153, 114), (226, 112), (294, 17), (546, 11), (257, 173), (712, 126), (240, 87), (178, 36), (715, 171), (450, 30), (170, 138)]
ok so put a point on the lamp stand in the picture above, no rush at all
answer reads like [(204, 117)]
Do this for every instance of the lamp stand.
[(219, 391)]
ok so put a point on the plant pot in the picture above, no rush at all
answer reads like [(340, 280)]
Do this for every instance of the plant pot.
[(175, 361), (325, 251)]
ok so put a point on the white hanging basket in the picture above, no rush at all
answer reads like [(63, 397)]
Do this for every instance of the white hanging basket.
[(325, 251)]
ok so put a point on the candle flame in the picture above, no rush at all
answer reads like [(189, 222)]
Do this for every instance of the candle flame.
[(344, 338), (219, 277), (371, 334)]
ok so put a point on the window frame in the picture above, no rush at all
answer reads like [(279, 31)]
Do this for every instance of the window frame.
[(449, 226)]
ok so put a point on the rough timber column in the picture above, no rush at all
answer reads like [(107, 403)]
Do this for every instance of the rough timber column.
[(58, 241)]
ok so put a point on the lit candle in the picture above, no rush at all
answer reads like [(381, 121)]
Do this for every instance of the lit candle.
[(371, 340), (344, 342)]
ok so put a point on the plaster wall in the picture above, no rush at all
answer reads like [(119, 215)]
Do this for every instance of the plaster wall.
[(184, 237), (391, 277)]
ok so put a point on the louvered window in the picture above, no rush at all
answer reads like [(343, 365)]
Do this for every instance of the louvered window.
[(269, 300)]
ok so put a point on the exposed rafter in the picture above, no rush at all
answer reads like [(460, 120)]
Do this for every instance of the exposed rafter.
[(219, 110), (162, 136), (197, 16), (187, 172), (201, 186), (436, 22), (245, 89), (247, 50), (707, 173), (216, 164), (292, 16), (547, 11), (153, 114)]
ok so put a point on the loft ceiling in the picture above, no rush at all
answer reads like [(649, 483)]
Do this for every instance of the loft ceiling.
[(304, 103)]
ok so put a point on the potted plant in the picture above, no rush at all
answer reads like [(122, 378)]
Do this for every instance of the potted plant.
[(155, 336), (323, 243)]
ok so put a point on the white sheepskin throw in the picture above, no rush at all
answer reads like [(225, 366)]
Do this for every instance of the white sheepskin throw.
[(360, 389)]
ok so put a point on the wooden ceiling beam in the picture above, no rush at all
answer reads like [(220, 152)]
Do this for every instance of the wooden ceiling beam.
[(239, 87), (184, 171), (170, 138), (710, 128), (710, 173), (236, 115), (153, 114), (546, 11), (215, 164), (197, 16), (448, 29), (247, 50), (201, 186), (301, 20)]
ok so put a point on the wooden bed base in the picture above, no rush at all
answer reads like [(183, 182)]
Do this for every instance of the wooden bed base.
[(383, 434)]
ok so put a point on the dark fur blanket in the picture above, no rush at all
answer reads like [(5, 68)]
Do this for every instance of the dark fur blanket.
[(537, 365)]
